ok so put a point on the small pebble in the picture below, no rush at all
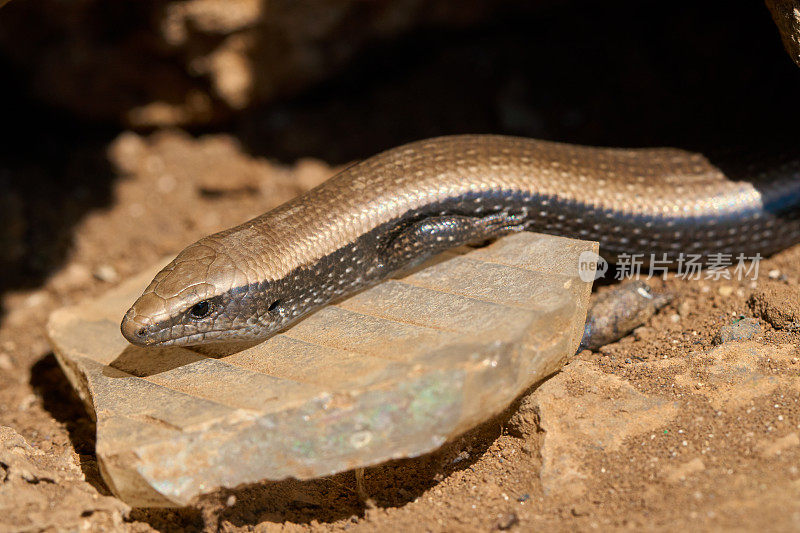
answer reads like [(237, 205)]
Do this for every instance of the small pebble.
[(726, 290), (743, 329), (27, 402), (606, 350), (72, 277), (461, 457), (643, 333), (579, 510), (106, 273), (127, 151), (35, 300), (675, 318), (774, 273), (231, 501), (507, 521)]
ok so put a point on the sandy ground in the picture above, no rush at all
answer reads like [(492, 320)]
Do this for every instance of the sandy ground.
[(661, 429)]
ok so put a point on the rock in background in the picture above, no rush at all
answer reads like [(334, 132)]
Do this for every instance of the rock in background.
[(156, 63), (159, 63)]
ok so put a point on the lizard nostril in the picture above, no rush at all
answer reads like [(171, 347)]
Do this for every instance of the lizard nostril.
[(137, 329)]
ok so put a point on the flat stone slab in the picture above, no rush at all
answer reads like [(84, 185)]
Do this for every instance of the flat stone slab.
[(394, 371)]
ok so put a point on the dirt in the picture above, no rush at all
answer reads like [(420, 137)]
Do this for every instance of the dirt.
[(653, 430), (663, 429)]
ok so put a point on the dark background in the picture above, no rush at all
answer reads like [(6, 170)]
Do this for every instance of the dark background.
[(698, 75)]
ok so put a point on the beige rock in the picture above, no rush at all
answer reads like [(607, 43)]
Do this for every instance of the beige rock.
[(741, 329), (735, 377), (598, 416), (106, 273), (212, 165), (392, 372), (778, 304), (72, 277)]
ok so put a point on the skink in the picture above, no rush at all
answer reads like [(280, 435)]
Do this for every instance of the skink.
[(408, 203)]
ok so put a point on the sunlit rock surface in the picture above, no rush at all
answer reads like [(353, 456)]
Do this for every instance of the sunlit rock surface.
[(394, 371)]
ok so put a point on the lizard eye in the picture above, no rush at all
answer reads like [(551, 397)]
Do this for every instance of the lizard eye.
[(273, 306), (200, 309)]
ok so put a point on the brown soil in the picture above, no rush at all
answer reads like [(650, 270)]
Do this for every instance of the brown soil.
[(490, 478), (661, 430)]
